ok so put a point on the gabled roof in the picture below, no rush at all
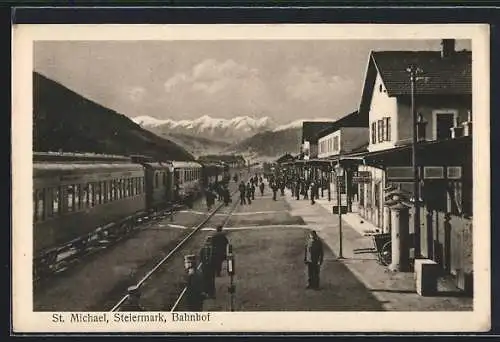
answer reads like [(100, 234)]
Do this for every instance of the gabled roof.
[(285, 158), (450, 75), (310, 129), (350, 120)]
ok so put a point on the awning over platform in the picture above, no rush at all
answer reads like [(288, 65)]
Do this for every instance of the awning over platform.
[(444, 152)]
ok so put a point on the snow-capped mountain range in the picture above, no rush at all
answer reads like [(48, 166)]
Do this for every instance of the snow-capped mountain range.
[(235, 129)]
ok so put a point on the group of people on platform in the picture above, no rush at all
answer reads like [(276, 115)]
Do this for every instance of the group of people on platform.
[(200, 277), (299, 186), (247, 191), (217, 190)]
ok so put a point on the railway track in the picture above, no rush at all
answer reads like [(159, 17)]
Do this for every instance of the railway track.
[(175, 251)]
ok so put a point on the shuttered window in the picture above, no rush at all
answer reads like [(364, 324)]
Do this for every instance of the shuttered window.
[(387, 124), (374, 132)]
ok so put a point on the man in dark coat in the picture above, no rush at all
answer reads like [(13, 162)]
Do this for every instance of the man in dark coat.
[(210, 198), (297, 189), (208, 267), (219, 242), (314, 188), (282, 187), (261, 187), (253, 189), (274, 186), (242, 189), (313, 258), (248, 192), (227, 196), (194, 285), (306, 189)]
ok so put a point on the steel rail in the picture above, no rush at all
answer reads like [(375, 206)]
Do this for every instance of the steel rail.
[(171, 253)]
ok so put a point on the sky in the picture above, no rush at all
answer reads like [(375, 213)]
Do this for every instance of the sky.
[(284, 80)]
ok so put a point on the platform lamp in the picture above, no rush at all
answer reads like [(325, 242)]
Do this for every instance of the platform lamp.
[(339, 173)]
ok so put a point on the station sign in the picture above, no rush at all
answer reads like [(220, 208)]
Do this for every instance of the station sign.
[(362, 177)]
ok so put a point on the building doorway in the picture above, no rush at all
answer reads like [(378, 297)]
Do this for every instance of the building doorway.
[(443, 122)]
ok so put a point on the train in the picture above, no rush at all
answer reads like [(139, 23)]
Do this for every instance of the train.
[(75, 193)]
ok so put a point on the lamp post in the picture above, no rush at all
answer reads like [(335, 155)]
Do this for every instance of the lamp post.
[(338, 176), (414, 71)]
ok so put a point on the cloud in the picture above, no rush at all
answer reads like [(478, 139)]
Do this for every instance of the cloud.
[(212, 76), (136, 94), (311, 84)]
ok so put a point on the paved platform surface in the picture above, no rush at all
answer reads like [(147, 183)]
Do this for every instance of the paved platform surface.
[(271, 275), (268, 239), (396, 291)]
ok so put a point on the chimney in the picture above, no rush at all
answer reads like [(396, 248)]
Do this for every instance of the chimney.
[(421, 125), (447, 47), (467, 125), (456, 130)]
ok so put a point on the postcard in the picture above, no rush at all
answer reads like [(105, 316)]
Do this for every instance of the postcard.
[(251, 178)]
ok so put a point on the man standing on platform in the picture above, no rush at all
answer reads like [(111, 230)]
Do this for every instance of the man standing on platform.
[(242, 188), (297, 189), (314, 189), (208, 267), (313, 258), (194, 285), (261, 187), (219, 243)]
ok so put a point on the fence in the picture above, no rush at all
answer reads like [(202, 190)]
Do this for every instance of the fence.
[(447, 239)]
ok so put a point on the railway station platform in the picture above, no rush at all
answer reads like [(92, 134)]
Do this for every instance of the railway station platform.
[(271, 276)]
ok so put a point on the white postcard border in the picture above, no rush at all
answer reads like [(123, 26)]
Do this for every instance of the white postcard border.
[(25, 320)]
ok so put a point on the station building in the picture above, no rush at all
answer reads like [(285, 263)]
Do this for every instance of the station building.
[(377, 140)]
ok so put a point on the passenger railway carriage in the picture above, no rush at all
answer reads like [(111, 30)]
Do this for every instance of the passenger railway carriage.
[(73, 197), (73, 194)]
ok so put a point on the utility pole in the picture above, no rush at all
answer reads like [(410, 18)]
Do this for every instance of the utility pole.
[(338, 177), (413, 70)]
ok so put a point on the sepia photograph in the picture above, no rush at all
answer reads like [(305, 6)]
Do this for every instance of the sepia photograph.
[(251, 178)]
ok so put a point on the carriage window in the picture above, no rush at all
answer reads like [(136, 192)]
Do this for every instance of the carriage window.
[(116, 187), (55, 201), (111, 190), (39, 209), (122, 188), (70, 191), (124, 182), (101, 192), (107, 191), (91, 195), (139, 185)]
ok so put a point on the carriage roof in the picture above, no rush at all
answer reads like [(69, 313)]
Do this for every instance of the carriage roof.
[(76, 168), (184, 164)]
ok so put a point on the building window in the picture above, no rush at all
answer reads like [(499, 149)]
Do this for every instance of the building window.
[(374, 132), (387, 125), (335, 143), (380, 128)]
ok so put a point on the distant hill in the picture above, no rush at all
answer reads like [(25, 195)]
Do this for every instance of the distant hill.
[(64, 120), (197, 146), (270, 143)]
